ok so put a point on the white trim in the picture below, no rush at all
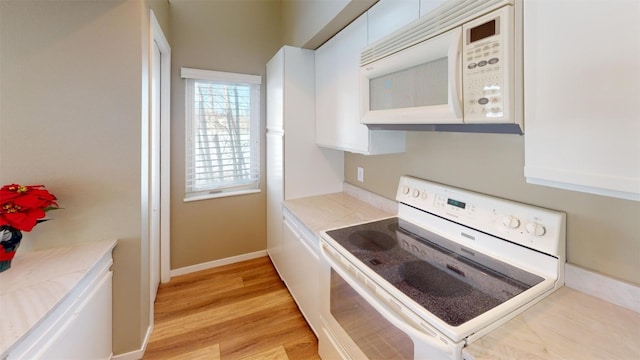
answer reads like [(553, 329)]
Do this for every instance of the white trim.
[(187, 73), (200, 185), (603, 287), (220, 194), (158, 36), (216, 263), (136, 354)]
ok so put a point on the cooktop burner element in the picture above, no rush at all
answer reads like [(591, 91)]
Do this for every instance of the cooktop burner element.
[(432, 280), (372, 240)]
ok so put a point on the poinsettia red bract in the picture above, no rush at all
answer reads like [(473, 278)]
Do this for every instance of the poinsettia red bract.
[(22, 207)]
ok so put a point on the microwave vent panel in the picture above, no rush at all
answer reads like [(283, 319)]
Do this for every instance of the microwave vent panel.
[(451, 14)]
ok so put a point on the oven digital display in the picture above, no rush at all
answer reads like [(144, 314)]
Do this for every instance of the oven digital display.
[(456, 203), (482, 31)]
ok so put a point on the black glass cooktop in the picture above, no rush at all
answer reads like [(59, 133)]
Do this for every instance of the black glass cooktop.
[(453, 282)]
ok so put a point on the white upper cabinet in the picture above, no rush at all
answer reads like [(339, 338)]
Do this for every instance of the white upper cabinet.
[(387, 16), (337, 97), (582, 90)]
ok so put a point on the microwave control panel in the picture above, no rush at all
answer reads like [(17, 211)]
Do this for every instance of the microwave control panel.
[(487, 67)]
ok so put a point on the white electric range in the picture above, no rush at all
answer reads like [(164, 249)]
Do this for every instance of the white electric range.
[(452, 266)]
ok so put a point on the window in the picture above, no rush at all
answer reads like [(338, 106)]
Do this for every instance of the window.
[(222, 133)]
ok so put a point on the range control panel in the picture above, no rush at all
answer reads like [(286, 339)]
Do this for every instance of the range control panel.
[(538, 228)]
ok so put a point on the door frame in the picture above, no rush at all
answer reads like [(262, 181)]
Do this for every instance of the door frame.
[(159, 38)]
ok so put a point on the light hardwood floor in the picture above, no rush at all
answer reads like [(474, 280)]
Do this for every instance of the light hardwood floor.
[(237, 311)]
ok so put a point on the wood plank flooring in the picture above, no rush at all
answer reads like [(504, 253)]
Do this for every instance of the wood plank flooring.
[(237, 311)]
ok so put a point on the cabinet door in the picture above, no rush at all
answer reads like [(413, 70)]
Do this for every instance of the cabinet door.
[(582, 85), (275, 92), (275, 196), (387, 16), (86, 333), (302, 275), (338, 97), (275, 158)]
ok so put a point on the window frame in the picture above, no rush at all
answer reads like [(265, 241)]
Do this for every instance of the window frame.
[(255, 81)]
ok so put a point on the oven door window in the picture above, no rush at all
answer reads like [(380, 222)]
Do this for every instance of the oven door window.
[(376, 337)]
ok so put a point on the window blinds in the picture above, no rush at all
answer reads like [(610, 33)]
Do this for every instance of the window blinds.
[(223, 126)]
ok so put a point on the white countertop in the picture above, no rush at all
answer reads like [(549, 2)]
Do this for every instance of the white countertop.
[(568, 324), (336, 210), (37, 282)]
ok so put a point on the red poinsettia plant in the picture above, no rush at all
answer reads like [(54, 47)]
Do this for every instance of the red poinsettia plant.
[(22, 207)]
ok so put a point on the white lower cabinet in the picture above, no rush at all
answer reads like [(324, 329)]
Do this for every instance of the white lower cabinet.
[(80, 327), (86, 333), (301, 271)]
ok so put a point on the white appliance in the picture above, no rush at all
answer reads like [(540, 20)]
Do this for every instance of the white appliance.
[(295, 167), (452, 266), (459, 65)]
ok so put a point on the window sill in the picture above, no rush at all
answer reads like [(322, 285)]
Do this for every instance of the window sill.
[(220, 194)]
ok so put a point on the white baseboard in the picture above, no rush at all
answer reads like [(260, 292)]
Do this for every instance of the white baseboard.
[(136, 354), (603, 287), (216, 263)]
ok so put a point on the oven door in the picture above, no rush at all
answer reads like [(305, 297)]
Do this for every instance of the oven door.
[(362, 321)]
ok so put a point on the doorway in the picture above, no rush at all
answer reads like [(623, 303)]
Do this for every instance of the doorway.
[(159, 167)]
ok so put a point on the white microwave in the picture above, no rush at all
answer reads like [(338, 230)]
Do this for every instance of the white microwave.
[(459, 68)]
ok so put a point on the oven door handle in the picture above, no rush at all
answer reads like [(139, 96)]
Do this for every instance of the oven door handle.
[(411, 329)]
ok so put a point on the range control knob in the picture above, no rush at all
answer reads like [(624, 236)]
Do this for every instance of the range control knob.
[(416, 193), (511, 222), (405, 189), (535, 229)]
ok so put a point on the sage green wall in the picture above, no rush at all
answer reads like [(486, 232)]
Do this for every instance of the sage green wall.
[(603, 234), (73, 106), (233, 36)]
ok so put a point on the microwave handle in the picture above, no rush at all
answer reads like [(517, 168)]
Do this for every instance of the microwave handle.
[(455, 71), (380, 307)]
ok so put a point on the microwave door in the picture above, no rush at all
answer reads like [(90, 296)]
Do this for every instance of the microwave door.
[(417, 85), (455, 74)]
